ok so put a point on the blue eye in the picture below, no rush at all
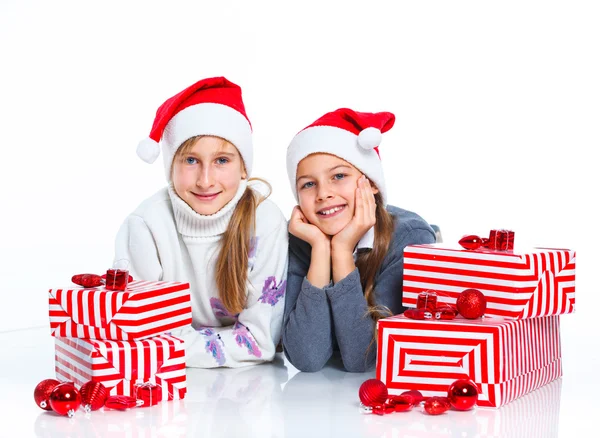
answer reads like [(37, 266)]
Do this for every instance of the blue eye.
[(307, 185), (339, 176), (191, 160), (222, 160)]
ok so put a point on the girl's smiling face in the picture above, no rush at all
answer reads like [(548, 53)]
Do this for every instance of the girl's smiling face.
[(326, 187), (207, 175)]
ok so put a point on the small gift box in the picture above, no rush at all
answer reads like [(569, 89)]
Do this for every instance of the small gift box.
[(150, 369), (516, 284), (505, 358), (145, 309)]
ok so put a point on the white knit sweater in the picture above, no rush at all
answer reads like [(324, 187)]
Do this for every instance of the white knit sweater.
[(165, 239)]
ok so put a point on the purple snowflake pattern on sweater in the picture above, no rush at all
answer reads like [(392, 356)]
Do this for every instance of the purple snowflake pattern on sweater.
[(272, 291), (220, 310), (244, 339), (214, 344)]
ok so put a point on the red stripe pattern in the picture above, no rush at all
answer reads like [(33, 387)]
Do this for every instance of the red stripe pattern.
[(120, 365), (505, 358), (540, 282), (144, 310)]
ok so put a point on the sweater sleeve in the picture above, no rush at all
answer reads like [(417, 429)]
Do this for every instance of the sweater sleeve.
[(354, 328), (307, 325), (255, 334), (135, 243)]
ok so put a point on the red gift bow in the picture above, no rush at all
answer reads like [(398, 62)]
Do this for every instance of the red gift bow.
[(499, 240)]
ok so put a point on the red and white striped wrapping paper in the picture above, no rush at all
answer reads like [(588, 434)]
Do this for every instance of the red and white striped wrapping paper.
[(119, 365), (539, 282), (505, 358), (145, 309)]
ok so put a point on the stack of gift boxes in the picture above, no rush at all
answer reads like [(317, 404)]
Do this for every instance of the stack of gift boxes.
[(511, 351), (121, 338)]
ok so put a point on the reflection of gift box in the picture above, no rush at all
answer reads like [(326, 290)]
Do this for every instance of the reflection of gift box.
[(538, 282), (120, 365), (145, 309), (505, 358)]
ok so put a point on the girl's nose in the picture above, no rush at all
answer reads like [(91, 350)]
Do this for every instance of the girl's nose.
[(205, 178)]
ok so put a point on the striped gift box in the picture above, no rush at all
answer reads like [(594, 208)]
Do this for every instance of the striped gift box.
[(144, 310), (539, 282), (120, 365), (505, 358)]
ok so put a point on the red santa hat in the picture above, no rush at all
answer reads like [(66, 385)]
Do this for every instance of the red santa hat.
[(212, 106), (347, 134)]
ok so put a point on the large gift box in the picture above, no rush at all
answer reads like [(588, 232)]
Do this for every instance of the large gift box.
[(532, 283), (506, 358), (145, 309), (121, 365)]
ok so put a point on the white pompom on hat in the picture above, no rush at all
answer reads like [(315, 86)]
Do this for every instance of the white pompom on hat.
[(350, 135), (211, 106)]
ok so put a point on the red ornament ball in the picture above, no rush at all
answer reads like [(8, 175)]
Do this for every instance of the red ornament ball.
[(463, 394), (373, 392), (471, 304), (436, 405), (65, 399), (42, 391), (93, 395)]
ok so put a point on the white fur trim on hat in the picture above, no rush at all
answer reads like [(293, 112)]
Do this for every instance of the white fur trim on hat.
[(207, 119), (148, 150), (369, 138), (338, 142)]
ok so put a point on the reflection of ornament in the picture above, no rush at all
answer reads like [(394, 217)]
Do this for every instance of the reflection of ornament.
[(42, 391), (93, 395), (373, 392), (436, 405), (463, 394), (471, 303), (65, 399)]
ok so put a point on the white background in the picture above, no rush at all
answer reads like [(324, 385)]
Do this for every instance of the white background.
[(497, 106)]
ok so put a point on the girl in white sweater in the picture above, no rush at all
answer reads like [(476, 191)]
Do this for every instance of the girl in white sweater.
[(210, 228)]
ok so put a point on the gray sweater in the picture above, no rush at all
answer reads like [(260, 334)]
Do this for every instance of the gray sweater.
[(318, 321)]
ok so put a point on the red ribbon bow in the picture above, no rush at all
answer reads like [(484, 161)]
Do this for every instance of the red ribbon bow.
[(499, 240)]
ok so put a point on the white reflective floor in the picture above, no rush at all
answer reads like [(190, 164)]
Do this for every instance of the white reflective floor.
[(274, 400)]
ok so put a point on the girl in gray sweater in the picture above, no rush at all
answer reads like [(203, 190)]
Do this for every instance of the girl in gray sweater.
[(346, 244)]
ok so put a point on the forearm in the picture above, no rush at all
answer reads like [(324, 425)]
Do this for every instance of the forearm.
[(307, 331), (319, 272), (342, 261), (353, 325)]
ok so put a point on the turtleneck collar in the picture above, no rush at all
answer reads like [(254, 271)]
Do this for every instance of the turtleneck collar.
[(194, 225)]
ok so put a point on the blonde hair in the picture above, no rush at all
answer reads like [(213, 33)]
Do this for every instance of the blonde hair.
[(232, 264), (369, 262)]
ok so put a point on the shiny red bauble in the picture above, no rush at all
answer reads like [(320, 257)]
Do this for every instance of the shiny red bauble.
[(463, 394), (42, 391), (65, 399), (436, 405), (93, 395), (471, 304), (373, 392)]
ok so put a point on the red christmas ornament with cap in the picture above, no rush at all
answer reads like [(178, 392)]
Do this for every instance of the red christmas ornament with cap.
[(211, 106), (350, 135)]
